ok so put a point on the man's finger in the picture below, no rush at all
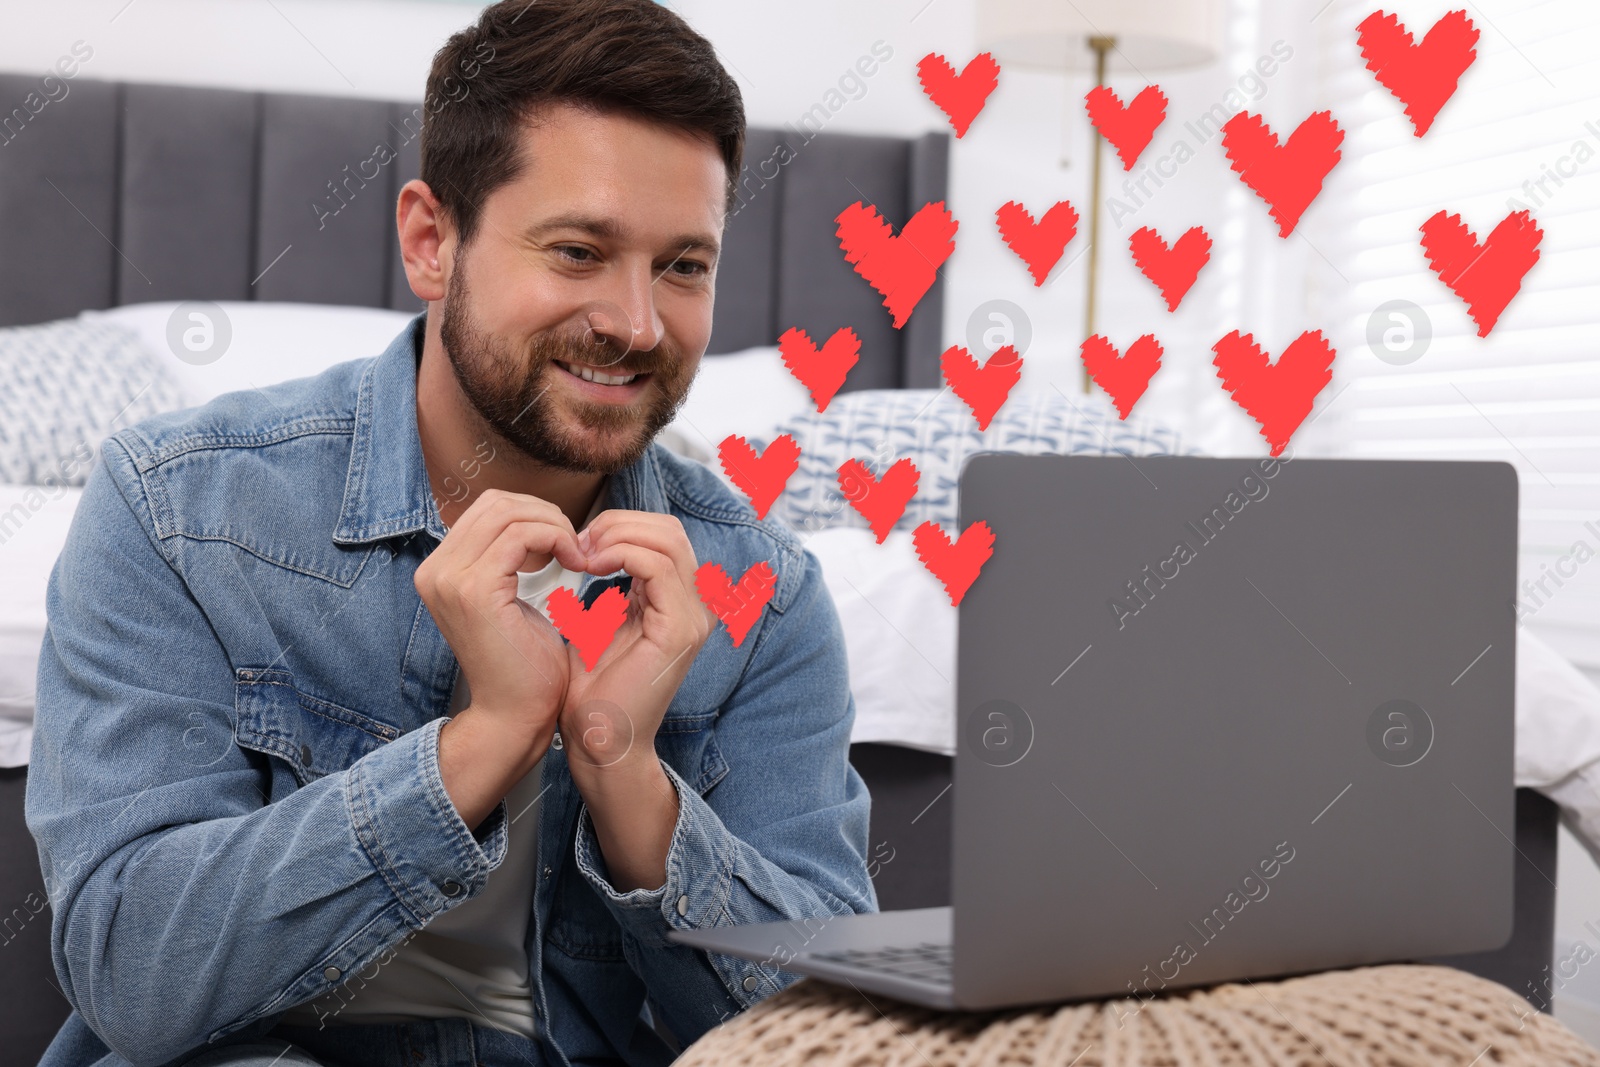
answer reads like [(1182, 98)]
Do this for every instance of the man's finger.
[(488, 516), (667, 538)]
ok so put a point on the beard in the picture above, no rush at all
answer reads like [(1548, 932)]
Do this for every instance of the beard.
[(505, 386)]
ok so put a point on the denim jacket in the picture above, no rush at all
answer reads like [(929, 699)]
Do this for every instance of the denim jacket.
[(235, 782)]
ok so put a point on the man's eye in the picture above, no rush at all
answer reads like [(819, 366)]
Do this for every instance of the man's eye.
[(695, 269), (567, 250)]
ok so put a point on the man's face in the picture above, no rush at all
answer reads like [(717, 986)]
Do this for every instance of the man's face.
[(599, 258)]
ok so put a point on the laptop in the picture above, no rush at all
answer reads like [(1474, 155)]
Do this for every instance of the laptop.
[(1218, 719)]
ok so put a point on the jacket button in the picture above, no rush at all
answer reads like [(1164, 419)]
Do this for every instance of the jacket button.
[(305, 755), (556, 742), (452, 888), (331, 973), (547, 872), (750, 984), (683, 904)]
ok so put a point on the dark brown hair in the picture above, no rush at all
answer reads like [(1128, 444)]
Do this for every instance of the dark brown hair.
[(631, 56)]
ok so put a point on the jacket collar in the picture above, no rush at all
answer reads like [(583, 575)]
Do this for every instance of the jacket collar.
[(386, 489)]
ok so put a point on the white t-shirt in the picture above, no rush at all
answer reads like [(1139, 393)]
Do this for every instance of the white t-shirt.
[(470, 961)]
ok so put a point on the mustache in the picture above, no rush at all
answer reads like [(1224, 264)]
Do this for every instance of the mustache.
[(606, 357)]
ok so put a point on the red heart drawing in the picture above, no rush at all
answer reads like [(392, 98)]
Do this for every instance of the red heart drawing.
[(956, 565), (959, 96), (1173, 269), (1287, 176), (1130, 128), (1277, 395), (1421, 76), (738, 606), (820, 370), (1041, 243), (881, 501), (1125, 377), (1486, 276), (589, 629), (760, 477), (983, 388), (902, 268)]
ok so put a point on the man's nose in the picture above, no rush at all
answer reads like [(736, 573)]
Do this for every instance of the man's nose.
[(627, 317)]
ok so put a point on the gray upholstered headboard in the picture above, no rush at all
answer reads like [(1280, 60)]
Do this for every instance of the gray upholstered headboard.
[(121, 193)]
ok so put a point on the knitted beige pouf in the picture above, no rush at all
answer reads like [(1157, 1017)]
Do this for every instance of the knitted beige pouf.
[(1402, 1014)]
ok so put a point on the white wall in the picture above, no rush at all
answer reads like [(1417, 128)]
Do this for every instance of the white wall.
[(786, 57), (370, 48)]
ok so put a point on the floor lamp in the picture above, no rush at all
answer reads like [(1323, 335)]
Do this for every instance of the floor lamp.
[(1135, 38)]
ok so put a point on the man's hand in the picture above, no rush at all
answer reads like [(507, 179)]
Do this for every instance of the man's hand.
[(513, 659), (611, 714)]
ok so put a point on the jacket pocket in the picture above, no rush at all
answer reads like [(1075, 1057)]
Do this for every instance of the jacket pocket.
[(688, 744), (313, 736), (580, 923)]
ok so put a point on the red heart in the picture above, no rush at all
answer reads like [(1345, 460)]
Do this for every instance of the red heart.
[(983, 388), (1174, 268), (821, 370), (903, 267), (881, 501), (738, 606), (956, 565), (1421, 76), (1125, 377), (1287, 176), (1486, 276), (1130, 128), (1278, 395), (1041, 243), (959, 96), (760, 477), (589, 629)]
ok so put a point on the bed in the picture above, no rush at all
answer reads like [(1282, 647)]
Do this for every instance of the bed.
[(135, 193)]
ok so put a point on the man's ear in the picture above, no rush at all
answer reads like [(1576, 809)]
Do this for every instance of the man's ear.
[(427, 239)]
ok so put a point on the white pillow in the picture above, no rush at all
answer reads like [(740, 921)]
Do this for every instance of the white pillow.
[(899, 635), (936, 430), (33, 527), (746, 393), (270, 342), (67, 385)]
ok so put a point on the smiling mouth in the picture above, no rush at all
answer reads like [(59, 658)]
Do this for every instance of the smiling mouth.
[(591, 374)]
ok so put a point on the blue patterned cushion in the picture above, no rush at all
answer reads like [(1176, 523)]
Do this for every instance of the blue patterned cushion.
[(65, 387), (937, 431)]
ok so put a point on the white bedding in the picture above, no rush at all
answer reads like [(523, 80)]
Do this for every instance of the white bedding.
[(900, 629), (33, 527)]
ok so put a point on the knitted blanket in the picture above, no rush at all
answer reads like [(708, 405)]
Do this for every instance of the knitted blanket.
[(1400, 1014)]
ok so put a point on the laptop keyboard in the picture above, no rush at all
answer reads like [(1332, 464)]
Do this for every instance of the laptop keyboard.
[(928, 961)]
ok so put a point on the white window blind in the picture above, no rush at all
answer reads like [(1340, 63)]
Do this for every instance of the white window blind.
[(1522, 131)]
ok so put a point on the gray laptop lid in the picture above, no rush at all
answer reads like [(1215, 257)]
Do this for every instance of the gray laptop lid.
[(1227, 718)]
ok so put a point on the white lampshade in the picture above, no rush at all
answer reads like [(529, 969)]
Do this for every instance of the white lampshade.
[(1054, 34)]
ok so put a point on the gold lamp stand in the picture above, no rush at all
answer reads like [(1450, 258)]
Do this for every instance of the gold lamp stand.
[(1101, 46)]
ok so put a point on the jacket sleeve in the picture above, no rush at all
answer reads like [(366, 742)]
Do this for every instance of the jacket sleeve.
[(782, 836), (185, 906)]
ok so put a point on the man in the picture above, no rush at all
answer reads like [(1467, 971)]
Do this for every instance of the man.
[(314, 778)]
